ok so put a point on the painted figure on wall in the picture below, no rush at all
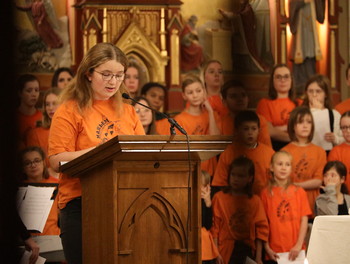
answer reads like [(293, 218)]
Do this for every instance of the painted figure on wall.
[(42, 24), (305, 49), (191, 50), (246, 57)]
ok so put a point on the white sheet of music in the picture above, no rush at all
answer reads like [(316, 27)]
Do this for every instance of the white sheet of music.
[(283, 258), (36, 206)]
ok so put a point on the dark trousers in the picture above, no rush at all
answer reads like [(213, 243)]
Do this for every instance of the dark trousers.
[(240, 252), (71, 235)]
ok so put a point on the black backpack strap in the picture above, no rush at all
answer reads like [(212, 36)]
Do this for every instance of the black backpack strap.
[(331, 119)]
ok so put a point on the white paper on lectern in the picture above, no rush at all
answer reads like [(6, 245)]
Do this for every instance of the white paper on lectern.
[(48, 243), (36, 207), (25, 258), (283, 258)]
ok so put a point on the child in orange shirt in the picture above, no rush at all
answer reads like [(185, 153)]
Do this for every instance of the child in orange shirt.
[(245, 143), (286, 209), (308, 159), (35, 171), (39, 136), (199, 117), (28, 115), (240, 225), (280, 103), (209, 249), (341, 152), (344, 106), (235, 97)]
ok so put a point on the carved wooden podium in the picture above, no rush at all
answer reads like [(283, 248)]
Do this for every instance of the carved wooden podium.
[(135, 198)]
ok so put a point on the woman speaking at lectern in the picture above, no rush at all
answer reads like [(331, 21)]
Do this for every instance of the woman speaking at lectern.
[(91, 113)]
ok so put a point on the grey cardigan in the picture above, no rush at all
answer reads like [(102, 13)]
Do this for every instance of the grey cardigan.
[(327, 204)]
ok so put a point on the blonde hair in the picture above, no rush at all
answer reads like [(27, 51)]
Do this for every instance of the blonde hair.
[(46, 119), (272, 182), (79, 89), (206, 178)]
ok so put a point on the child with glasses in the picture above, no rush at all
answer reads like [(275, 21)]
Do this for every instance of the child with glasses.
[(342, 152), (35, 171), (326, 120), (277, 107)]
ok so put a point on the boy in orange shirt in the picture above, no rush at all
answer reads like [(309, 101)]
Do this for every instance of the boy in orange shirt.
[(236, 99), (245, 143), (198, 118)]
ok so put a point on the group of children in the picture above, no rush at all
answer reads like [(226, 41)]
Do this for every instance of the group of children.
[(265, 187)]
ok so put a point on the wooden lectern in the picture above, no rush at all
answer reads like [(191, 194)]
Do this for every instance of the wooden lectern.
[(135, 205)]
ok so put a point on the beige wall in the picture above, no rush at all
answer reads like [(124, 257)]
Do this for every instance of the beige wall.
[(204, 10)]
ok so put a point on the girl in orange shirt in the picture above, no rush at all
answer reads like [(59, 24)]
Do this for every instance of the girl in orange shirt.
[(239, 221), (308, 159), (212, 75), (277, 107), (92, 112), (286, 209), (28, 115), (35, 171)]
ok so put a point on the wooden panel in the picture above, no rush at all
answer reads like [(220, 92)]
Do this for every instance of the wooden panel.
[(153, 212)]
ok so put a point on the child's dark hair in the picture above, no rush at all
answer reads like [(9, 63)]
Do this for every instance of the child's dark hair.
[(230, 84), (296, 116), (57, 72), (272, 93), (42, 155), (323, 82), (23, 79), (248, 164), (150, 85), (340, 169), (346, 114), (246, 116)]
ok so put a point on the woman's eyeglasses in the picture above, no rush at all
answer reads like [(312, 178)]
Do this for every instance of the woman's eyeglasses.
[(106, 76)]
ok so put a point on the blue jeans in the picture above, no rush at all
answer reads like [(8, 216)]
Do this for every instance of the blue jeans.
[(71, 231)]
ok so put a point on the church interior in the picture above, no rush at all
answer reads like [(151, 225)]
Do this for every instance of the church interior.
[(169, 42)]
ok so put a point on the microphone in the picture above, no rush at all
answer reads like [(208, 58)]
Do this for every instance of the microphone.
[(172, 121)]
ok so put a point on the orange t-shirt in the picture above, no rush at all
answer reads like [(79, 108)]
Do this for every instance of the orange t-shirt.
[(343, 106), (39, 136), (237, 217), (284, 209), (275, 111), (227, 128), (71, 131), (342, 153), (198, 125), (209, 249), (51, 225), (308, 162), (27, 122), (261, 156), (217, 104)]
